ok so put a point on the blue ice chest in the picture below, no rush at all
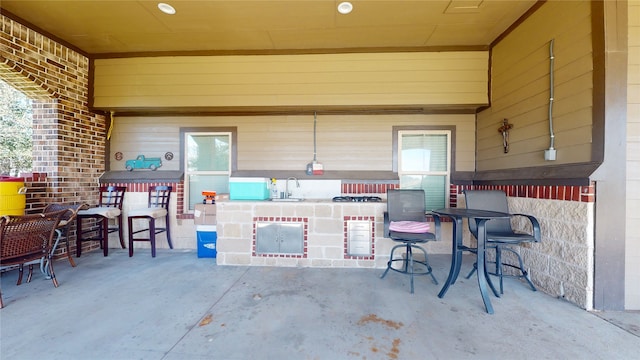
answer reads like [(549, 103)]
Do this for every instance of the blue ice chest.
[(243, 188), (207, 237)]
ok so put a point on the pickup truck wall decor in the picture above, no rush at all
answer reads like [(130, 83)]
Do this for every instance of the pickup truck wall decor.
[(142, 162)]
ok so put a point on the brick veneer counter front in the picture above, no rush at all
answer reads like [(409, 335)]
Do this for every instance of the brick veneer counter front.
[(324, 235)]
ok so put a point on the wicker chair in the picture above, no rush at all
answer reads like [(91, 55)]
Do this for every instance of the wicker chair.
[(64, 227), (28, 238)]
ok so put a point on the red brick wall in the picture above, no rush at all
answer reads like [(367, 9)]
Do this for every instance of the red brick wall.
[(69, 140), (550, 192)]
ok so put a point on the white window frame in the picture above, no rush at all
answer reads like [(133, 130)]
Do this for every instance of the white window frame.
[(446, 173), (188, 173)]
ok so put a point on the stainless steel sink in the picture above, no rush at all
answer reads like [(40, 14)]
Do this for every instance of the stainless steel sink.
[(287, 200)]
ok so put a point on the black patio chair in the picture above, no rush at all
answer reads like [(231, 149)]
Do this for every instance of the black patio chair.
[(405, 222), (500, 235)]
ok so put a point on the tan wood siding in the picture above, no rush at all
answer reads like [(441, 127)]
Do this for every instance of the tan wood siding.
[(520, 90), (450, 78), (344, 142), (632, 252)]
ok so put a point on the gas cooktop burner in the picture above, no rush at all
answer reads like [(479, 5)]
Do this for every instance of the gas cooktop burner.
[(357, 199)]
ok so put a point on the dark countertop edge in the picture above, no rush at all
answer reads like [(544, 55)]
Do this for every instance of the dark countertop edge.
[(141, 176), (344, 175), (347, 177), (305, 201)]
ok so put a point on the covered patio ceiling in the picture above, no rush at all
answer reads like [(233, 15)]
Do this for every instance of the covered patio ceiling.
[(103, 28)]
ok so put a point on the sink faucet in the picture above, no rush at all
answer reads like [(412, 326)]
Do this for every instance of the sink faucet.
[(287, 194)]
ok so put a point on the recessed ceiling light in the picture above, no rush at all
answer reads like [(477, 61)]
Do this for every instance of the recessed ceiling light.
[(345, 7), (166, 8)]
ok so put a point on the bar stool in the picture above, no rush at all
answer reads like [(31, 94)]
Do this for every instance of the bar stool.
[(405, 222), (158, 207), (109, 208), (501, 236)]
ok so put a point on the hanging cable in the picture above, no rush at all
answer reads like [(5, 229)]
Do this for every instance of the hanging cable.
[(111, 120), (314, 137)]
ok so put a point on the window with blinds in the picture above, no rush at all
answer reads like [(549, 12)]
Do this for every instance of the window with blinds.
[(424, 163)]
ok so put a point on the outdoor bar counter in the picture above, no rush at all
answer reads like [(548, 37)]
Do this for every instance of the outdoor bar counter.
[(308, 233)]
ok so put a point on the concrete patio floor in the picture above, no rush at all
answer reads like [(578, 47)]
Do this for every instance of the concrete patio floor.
[(176, 306)]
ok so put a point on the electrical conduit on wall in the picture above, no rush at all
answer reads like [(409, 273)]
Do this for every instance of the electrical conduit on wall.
[(550, 154)]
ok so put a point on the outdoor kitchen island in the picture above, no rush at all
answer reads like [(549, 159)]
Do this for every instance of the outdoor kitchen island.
[(308, 233)]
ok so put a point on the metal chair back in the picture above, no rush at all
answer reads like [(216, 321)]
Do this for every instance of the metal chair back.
[(406, 205), (493, 200)]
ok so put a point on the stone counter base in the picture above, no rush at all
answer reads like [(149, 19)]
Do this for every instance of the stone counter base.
[(325, 237)]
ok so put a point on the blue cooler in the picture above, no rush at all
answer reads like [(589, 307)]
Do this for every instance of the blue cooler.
[(206, 236), (249, 188)]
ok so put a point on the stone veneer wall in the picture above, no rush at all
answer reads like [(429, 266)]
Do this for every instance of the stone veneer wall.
[(325, 242), (68, 140), (562, 263)]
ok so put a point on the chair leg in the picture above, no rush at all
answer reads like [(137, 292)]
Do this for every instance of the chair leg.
[(43, 261), (475, 267), (105, 236), (78, 236), (427, 264), (390, 262), (66, 238), (130, 223), (168, 231), (20, 273), (152, 236), (120, 236), (525, 273), (498, 272), (30, 275), (489, 281), (408, 265), (50, 271)]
